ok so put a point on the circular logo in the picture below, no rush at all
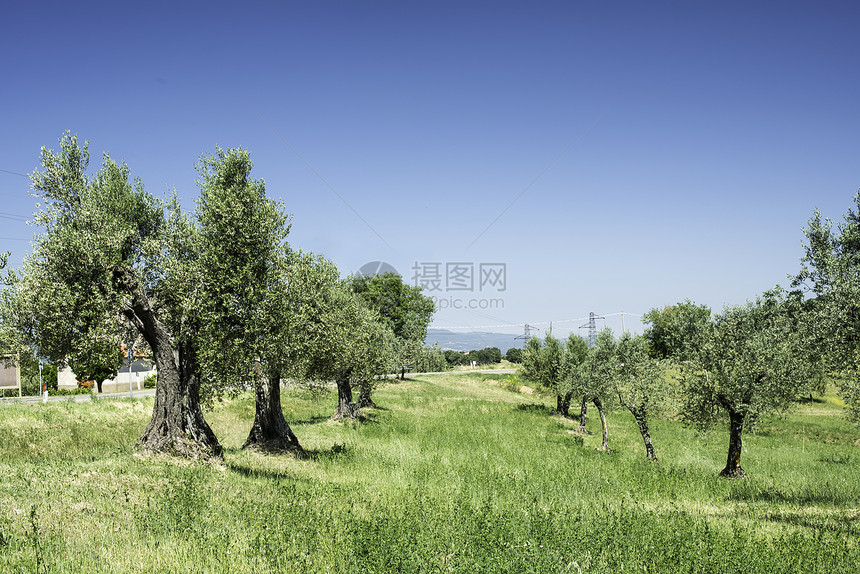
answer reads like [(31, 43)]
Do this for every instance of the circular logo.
[(376, 268)]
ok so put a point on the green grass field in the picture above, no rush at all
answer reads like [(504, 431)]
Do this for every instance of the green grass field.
[(454, 473)]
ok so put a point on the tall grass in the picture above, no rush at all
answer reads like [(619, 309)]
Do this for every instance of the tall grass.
[(451, 474)]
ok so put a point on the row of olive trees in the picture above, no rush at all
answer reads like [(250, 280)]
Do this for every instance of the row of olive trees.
[(745, 362), (217, 295), (738, 365), (485, 356), (611, 373)]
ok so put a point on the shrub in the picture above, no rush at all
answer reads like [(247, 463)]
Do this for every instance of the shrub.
[(514, 355), (149, 381)]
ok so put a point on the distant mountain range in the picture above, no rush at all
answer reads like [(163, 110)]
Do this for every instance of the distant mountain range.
[(472, 340)]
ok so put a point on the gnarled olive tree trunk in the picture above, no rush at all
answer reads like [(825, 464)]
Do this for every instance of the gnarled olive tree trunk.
[(365, 398), (562, 404), (270, 430), (345, 407), (177, 425)]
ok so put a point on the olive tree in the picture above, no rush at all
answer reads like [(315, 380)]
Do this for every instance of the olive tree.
[(331, 334), (542, 363), (830, 276), (575, 353), (640, 385), (750, 363), (593, 378), (109, 250), (403, 308), (246, 278)]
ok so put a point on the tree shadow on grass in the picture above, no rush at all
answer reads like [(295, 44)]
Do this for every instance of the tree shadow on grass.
[(266, 473), (534, 408), (310, 420), (779, 496), (833, 522), (337, 451)]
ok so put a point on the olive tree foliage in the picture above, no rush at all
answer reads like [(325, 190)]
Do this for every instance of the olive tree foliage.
[(403, 308), (640, 385), (331, 334), (111, 253), (530, 367), (244, 265), (751, 363), (542, 363), (593, 378), (830, 276), (675, 331)]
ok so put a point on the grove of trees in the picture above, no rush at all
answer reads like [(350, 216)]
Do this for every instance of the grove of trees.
[(218, 296), (223, 303)]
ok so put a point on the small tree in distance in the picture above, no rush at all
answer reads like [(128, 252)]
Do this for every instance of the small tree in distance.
[(543, 363), (96, 359), (676, 331)]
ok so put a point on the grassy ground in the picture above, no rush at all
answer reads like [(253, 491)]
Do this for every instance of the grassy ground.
[(455, 473)]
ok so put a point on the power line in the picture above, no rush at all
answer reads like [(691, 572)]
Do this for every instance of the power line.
[(14, 172), (13, 216), (533, 323)]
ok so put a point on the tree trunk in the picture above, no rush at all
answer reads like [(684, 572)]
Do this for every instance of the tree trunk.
[(270, 431), (365, 400), (345, 408), (177, 425), (99, 385), (733, 463), (583, 411), (562, 403), (642, 421), (599, 405)]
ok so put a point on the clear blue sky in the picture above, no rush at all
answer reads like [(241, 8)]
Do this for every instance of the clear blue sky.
[(617, 156)]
